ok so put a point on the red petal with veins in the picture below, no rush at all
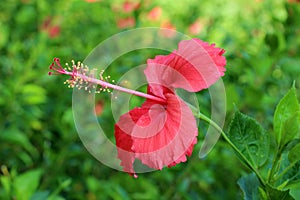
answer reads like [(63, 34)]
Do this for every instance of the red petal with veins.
[(157, 134), (196, 65), (163, 134)]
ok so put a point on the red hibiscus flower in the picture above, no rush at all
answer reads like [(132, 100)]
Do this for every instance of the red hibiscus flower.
[(53, 30), (293, 1), (92, 1), (154, 14), (162, 134), (126, 22), (196, 27), (99, 107), (163, 131), (129, 6)]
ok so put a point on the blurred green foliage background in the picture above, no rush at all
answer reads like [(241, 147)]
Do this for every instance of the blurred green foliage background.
[(41, 155)]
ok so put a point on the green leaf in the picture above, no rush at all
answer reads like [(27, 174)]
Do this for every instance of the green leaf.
[(294, 154), (262, 194), (293, 185), (249, 185), (291, 145), (40, 195), (288, 173), (295, 193), (6, 183), (56, 198), (286, 118), (33, 94), (290, 128), (4, 34), (250, 138), (64, 184), (16, 137), (26, 184), (275, 194)]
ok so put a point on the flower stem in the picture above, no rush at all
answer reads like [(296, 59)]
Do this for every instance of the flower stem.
[(218, 128)]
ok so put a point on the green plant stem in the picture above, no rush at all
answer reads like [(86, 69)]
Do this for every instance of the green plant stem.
[(274, 166), (218, 128)]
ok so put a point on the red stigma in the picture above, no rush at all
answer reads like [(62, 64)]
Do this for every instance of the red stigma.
[(56, 67)]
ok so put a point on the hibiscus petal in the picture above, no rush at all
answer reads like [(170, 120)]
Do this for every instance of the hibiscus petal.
[(196, 65), (157, 134)]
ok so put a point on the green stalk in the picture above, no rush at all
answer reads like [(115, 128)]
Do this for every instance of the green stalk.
[(274, 166)]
